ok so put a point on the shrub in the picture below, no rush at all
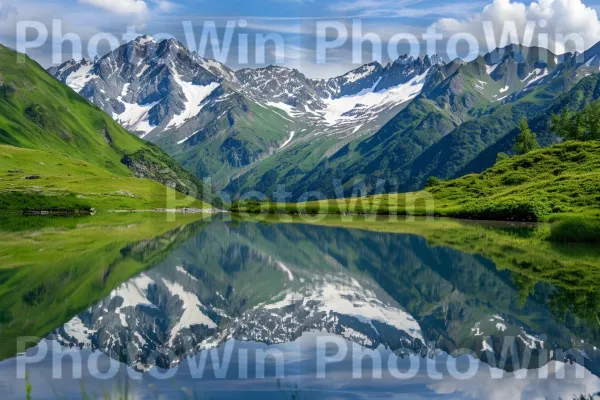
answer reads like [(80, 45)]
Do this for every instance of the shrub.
[(11, 202), (510, 210), (576, 230), (526, 140), (501, 157), (39, 116), (432, 181)]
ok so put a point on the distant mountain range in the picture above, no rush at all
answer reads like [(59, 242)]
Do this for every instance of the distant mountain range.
[(254, 129)]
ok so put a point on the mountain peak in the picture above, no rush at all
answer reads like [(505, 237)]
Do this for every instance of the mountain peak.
[(434, 59), (426, 60), (404, 59), (144, 39), (272, 67)]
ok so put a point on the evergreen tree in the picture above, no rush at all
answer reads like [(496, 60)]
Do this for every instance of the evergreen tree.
[(501, 157), (526, 140), (583, 125)]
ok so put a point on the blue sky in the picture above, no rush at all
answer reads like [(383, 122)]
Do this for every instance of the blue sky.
[(296, 23)]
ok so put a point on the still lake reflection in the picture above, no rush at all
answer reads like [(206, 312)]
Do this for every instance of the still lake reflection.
[(228, 309)]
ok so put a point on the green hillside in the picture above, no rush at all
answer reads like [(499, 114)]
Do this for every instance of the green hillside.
[(61, 151), (227, 146), (582, 94), (543, 185), (561, 179)]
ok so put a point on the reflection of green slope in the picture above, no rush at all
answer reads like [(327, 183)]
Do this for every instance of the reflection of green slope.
[(54, 271), (424, 278)]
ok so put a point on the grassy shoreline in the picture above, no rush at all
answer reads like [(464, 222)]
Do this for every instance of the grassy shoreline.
[(564, 228), (559, 184)]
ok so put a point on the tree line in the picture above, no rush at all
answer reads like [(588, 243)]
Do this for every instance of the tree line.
[(581, 125)]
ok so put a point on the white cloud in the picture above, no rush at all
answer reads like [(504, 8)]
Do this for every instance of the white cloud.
[(165, 6), (122, 7), (561, 17)]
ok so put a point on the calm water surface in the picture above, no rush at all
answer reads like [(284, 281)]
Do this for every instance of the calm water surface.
[(229, 309)]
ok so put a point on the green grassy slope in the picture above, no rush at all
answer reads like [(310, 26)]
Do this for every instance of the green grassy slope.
[(39, 113), (560, 179), (546, 184), (228, 146), (34, 179)]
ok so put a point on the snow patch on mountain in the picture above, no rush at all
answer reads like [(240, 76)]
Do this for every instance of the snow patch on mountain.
[(491, 68), (590, 61), (145, 40), (77, 330), (338, 109), (351, 299), (289, 110), (284, 268), (78, 79), (194, 95), (183, 271), (288, 140), (358, 74), (539, 74), (134, 292), (136, 117)]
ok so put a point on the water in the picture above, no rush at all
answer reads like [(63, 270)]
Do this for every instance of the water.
[(218, 308)]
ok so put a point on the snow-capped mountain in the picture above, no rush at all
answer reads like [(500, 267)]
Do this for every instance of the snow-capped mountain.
[(254, 129), (157, 87), (148, 86), (351, 105), (166, 94)]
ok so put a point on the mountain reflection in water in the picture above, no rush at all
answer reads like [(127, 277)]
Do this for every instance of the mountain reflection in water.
[(282, 286)]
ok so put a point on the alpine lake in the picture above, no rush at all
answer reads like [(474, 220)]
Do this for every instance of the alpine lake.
[(224, 306)]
